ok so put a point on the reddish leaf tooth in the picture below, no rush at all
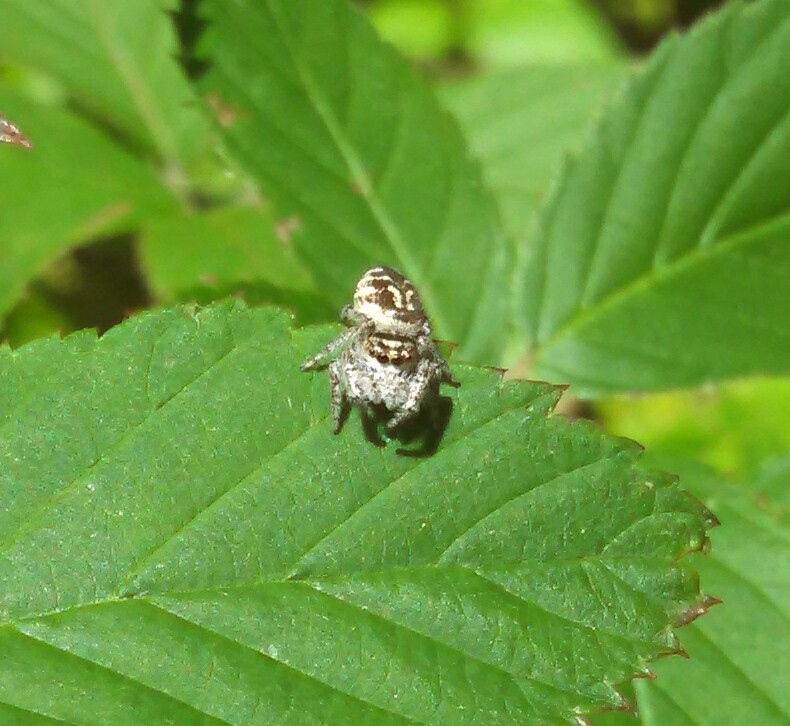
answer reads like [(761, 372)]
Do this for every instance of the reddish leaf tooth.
[(10, 134)]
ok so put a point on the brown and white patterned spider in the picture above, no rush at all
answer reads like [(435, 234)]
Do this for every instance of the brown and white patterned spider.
[(387, 358)]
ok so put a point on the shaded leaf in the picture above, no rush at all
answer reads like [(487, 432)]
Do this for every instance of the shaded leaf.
[(663, 256), (34, 317), (522, 123), (344, 138), (73, 186), (184, 539), (118, 60), (230, 250)]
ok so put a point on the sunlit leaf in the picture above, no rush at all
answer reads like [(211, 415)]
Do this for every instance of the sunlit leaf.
[(663, 260), (345, 139), (184, 540), (519, 32)]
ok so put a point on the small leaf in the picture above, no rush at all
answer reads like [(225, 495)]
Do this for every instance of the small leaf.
[(185, 539), (74, 186), (117, 60), (343, 137), (663, 256), (522, 123)]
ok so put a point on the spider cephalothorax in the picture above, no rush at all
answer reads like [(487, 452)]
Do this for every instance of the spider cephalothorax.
[(387, 358)]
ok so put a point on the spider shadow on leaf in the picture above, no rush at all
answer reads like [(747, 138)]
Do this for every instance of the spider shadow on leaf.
[(427, 427)]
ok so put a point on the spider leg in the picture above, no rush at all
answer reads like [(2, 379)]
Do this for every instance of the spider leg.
[(445, 374), (368, 418), (319, 359), (349, 316), (340, 404), (424, 377), (429, 349)]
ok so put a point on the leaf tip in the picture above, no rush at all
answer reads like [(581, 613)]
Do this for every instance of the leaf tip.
[(696, 610), (646, 674), (711, 520)]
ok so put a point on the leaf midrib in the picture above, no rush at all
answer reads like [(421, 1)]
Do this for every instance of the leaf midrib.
[(175, 594), (659, 275), (135, 84), (214, 634), (361, 177), (29, 524)]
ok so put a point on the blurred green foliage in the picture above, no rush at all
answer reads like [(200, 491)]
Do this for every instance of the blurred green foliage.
[(510, 32), (733, 427)]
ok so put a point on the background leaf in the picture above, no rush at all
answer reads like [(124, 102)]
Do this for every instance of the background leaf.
[(733, 428), (73, 186), (172, 494), (522, 123), (514, 32), (344, 138), (662, 260), (418, 28), (240, 250), (118, 61), (738, 653)]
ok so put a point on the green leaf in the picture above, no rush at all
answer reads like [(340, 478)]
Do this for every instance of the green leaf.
[(420, 29), (770, 484), (733, 427), (344, 138), (74, 185), (663, 256), (118, 61), (35, 316), (229, 250), (515, 32), (184, 540), (522, 123), (737, 672)]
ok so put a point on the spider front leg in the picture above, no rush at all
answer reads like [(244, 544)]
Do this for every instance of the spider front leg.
[(428, 349), (340, 404), (338, 344), (349, 316), (446, 375)]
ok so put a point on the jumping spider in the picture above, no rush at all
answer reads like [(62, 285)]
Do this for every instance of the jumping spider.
[(386, 360)]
